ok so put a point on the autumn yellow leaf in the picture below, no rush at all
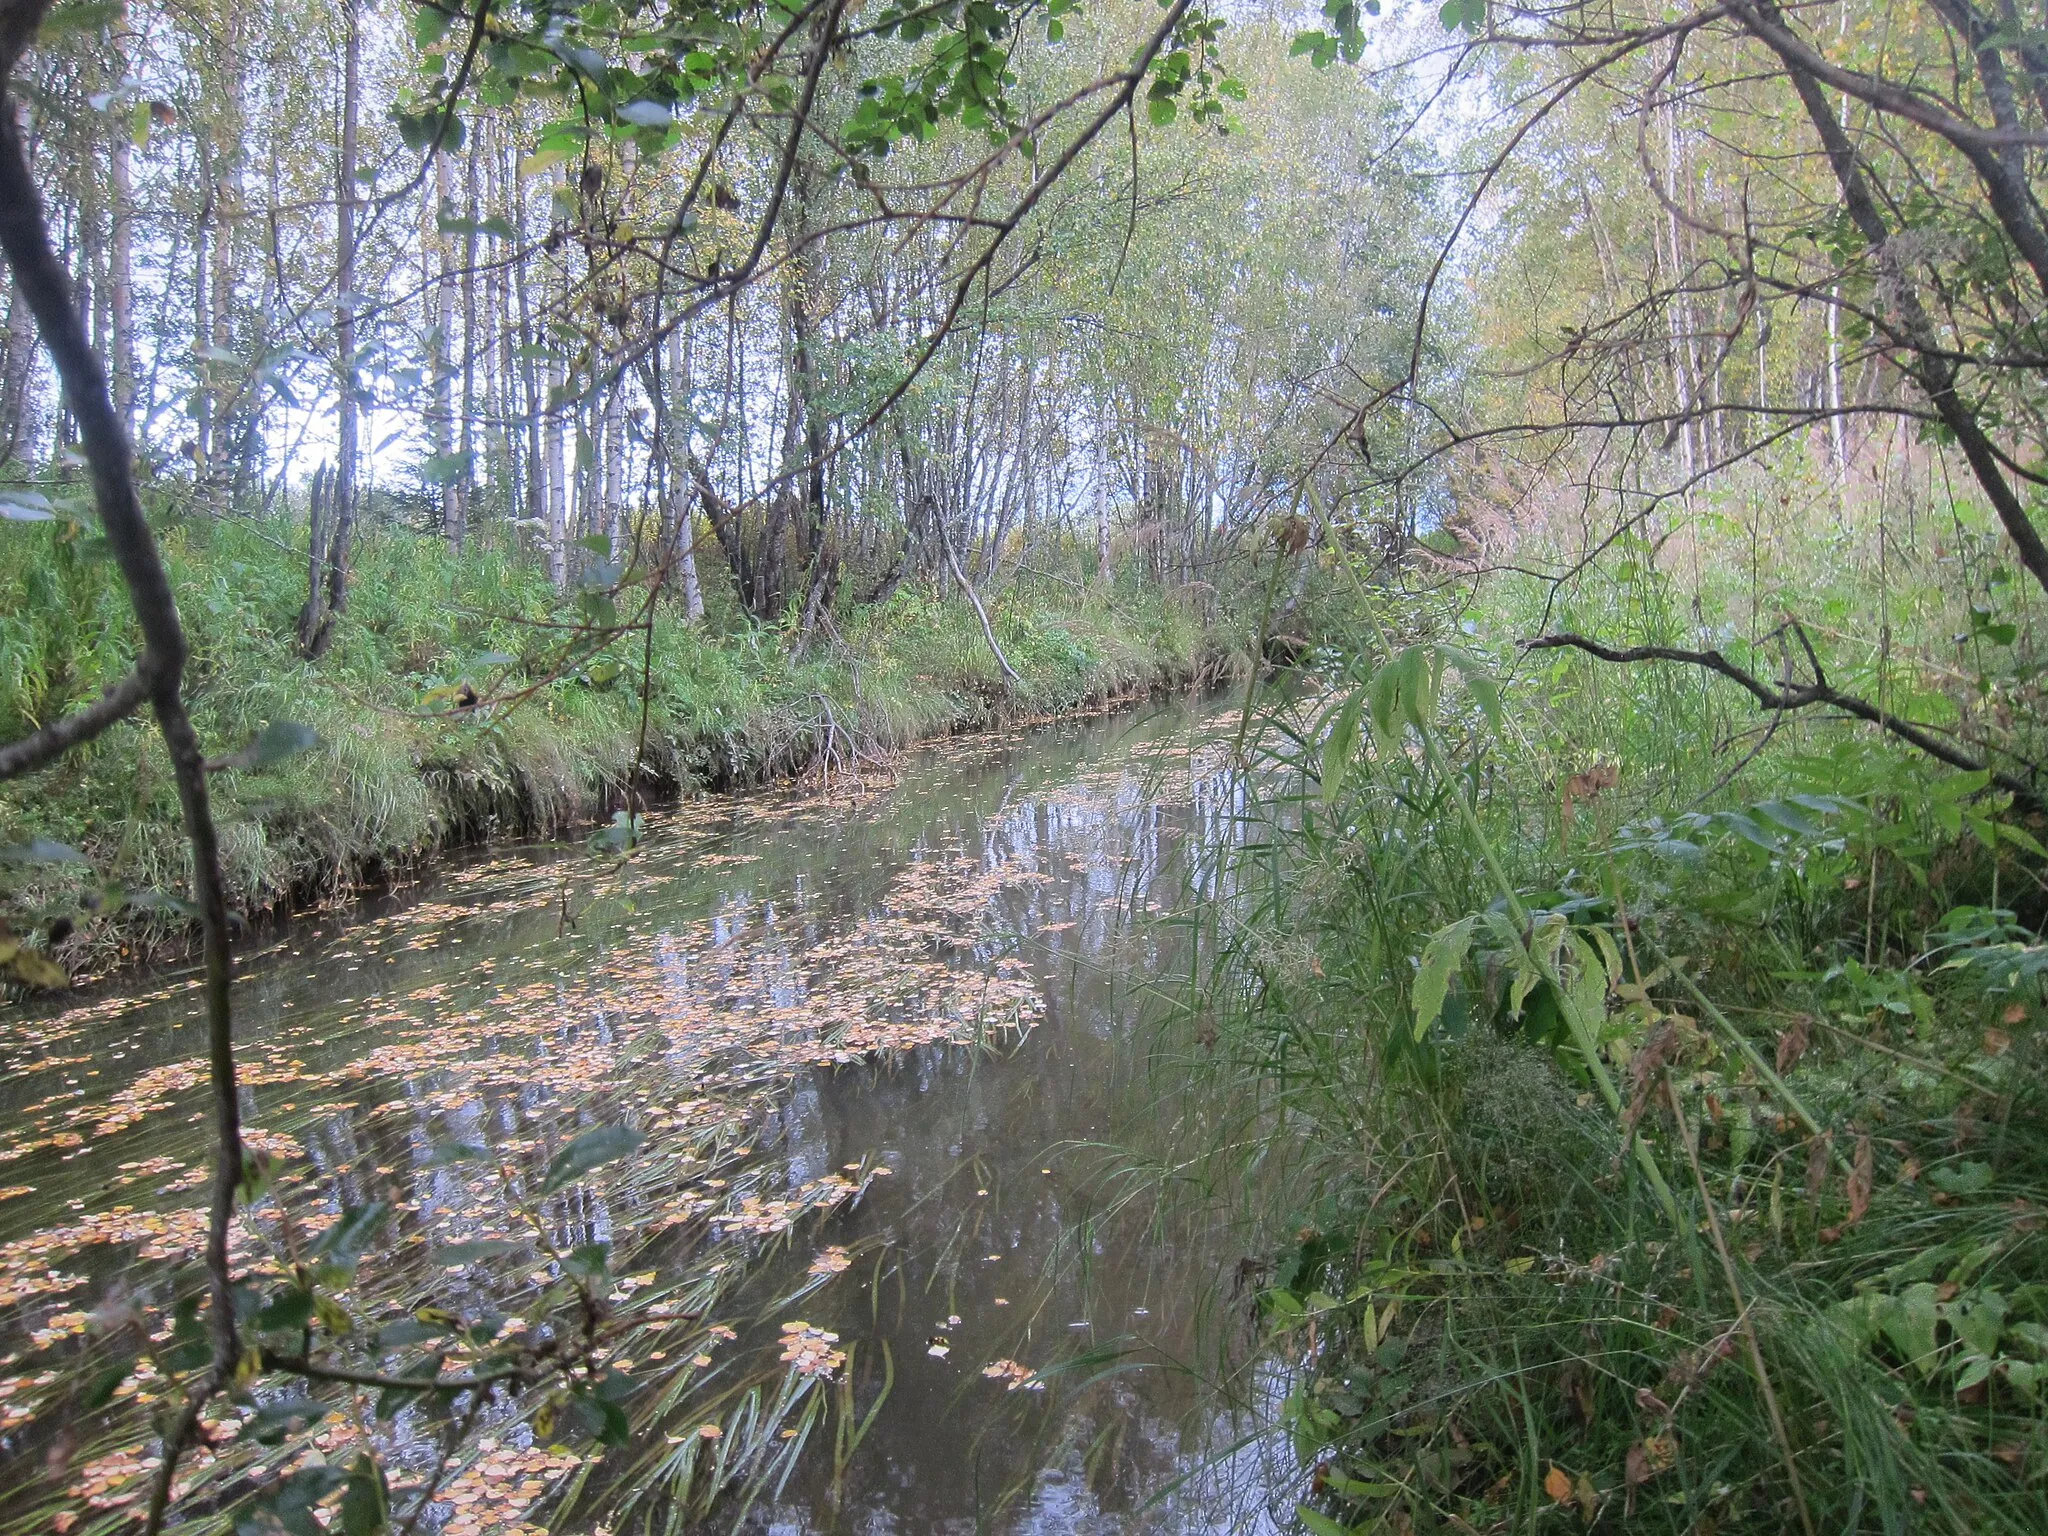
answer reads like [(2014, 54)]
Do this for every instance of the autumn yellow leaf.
[(1558, 1484)]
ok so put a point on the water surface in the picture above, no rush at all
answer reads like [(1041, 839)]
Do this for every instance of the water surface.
[(899, 1032)]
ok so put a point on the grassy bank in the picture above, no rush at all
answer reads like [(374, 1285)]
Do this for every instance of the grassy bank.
[(1792, 1273), (401, 768)]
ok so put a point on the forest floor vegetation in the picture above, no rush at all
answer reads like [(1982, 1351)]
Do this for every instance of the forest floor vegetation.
[(403, 764), (1640, 1144)]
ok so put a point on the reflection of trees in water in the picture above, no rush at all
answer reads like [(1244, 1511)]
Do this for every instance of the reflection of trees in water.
[(970, 1134), (472, 1017)]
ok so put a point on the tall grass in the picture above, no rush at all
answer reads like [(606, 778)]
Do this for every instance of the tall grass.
[(398, 772), (1504, 1305)]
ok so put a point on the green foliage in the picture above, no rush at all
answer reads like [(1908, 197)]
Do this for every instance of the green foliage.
[(370, 756), (1492, 1307)]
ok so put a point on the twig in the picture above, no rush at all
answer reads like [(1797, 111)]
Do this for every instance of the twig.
[(298, 1365), (60, 736)]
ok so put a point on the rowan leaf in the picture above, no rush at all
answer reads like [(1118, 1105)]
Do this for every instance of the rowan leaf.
[(591, 1150)]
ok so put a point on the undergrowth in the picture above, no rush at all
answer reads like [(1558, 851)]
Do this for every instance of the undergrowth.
[(1644, 1145), (401, 767)]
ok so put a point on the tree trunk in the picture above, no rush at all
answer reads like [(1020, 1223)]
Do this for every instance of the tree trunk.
[(202, 329), (329, 597), (681, 489), (438, 297), (558, 490), (468, 440), (1103, 574), (611, 500)]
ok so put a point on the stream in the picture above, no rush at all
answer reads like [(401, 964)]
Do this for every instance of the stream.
[(885, 1042)]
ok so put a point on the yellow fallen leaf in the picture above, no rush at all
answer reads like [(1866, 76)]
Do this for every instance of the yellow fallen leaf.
[(1558, 1484)]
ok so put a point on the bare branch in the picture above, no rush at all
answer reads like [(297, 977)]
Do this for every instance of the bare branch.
[(41, 282), (58, 737), (1792, 696)]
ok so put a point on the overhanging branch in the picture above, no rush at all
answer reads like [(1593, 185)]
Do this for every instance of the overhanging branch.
[(61, 735), (1795, 696)]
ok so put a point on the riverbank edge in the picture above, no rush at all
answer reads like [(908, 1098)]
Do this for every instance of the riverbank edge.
[(471, 809)]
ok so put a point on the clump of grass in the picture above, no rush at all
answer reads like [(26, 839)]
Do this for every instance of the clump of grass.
[(1493, 1316), (397, 773)]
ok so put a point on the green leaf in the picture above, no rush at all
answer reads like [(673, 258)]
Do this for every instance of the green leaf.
[(447, 1153), (1340, 746), (591, 1150), (41, 850), (289, 1310), (1967, 1178), (33, 968), (1979, 1320), (105, 1381), (2022, 839), (446, 468), (1909, 1323), (366, 1505), (615, 1429), (25, 507), (1441, 957), (345, 1241), (647, 114), (274, 1418), (277, 741), (81, 16), (1319, 1524), (429, 26), (1788, 816)]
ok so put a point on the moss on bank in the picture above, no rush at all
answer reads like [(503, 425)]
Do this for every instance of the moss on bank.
[(399, 771)]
